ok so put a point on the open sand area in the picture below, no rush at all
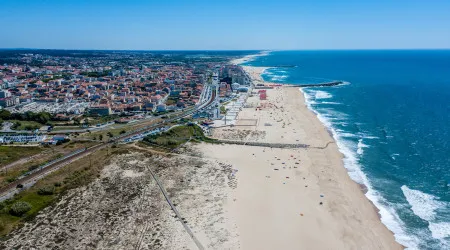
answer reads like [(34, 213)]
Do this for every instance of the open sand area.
[(301, 198), (221, 196)]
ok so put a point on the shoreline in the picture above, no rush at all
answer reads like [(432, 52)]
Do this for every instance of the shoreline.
[(325, 167), (365, 189)]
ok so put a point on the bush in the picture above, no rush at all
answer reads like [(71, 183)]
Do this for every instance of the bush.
[(11, 179), (19, 208), (16, 125), (47, 190)]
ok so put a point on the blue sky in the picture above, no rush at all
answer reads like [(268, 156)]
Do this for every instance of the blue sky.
[(228, 25)]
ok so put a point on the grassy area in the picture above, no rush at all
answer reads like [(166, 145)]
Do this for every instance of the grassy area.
[(104, 135), (12, 173), (76, 174), (177, 136), (58, 128), (118, 128), (10, 154), (25, 125), (74, 145), (101, 119), (8, 222)]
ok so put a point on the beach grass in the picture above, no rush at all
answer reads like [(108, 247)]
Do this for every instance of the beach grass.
[(74, 175)]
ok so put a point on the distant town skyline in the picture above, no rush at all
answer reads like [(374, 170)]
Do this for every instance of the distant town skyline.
[(225, 25)]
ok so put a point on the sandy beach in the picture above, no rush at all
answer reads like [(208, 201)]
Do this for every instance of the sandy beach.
[(293, 198), (227, 196)]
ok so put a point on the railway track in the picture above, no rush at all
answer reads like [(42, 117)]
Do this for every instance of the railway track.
[(14, 187), (29, 180)]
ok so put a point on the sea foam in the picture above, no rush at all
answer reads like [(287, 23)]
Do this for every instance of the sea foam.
[(426, 207), (322, 95), (440, 231), (388, 215), (361, 147), (422, 204)]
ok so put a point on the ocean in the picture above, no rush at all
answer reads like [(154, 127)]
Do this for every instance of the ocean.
[(391, 121)]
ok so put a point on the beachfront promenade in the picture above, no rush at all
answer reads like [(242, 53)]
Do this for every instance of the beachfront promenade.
[(264, 144)]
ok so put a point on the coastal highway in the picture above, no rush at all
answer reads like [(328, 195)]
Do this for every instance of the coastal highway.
[(29, 180)]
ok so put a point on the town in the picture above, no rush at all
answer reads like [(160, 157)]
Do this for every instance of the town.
[(65, 92)]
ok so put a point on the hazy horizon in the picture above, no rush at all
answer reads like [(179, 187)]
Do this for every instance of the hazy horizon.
[(231, 25), (230, 50)]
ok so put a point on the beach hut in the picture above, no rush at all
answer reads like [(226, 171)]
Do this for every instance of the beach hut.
[(262, 96)]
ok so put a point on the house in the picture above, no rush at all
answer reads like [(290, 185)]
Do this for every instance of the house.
[(60, 137), (161, 108)]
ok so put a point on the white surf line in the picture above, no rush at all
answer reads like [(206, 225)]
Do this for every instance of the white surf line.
[(174, 209)]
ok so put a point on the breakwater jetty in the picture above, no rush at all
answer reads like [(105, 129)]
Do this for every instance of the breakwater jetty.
[(284, 66), (325, 84)]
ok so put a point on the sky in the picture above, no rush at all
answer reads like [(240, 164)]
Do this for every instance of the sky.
[(225, 24)]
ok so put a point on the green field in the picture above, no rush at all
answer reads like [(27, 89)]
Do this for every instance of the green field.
[(101, 119), (177, 136), (59, 128), (25, 125), (9, 154)]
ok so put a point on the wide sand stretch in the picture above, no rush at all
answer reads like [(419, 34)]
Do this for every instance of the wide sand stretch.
[(293, 198)]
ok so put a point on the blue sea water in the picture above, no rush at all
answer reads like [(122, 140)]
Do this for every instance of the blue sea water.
[(391, 122)]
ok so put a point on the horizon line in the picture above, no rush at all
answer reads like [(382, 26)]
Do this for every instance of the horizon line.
[(360, 49)]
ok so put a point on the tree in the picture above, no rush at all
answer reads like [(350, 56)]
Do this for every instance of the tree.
[(16, 125), (5, 114), (122, 132), (42, 117), (110, 134), (100, 137), (28, 116)]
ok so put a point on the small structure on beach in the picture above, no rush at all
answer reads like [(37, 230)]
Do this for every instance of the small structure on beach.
[(262, 94)]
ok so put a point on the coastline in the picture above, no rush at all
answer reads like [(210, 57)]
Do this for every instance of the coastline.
[(310, 195)]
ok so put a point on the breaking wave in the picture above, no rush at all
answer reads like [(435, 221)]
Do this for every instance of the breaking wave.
[(426, 206), (322, 95), (347, 147), (361, 147), (422, 204)]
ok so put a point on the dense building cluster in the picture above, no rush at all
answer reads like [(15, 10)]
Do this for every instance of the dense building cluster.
[(106, 82)]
